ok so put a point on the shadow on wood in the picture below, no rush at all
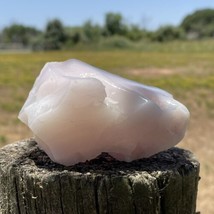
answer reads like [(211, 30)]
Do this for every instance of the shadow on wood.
[(30, 182)]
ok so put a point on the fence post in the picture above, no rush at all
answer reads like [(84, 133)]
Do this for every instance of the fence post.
[(31, 183)]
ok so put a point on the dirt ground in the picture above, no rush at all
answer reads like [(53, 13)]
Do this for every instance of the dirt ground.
[(199, 139)]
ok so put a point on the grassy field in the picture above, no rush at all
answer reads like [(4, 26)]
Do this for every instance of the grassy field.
[(184, 69)]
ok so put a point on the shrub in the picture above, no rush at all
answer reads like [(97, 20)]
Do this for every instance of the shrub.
[(119, 42), (168, 33), (200, 23)]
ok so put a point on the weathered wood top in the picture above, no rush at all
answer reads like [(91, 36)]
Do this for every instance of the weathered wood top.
[(28, 153), (164, 183)]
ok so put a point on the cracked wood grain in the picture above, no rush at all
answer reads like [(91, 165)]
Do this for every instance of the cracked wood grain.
[(30, 183)]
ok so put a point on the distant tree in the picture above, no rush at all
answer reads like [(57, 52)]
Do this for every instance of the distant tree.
[(134, 33), (91, 32), (199, 23), (168, 33), (77, 37), (1, 37), (74, 35), (114, 24), (17, 33), (54, 36)]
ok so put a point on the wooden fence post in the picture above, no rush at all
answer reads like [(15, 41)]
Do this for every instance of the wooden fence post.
[(30, 183)]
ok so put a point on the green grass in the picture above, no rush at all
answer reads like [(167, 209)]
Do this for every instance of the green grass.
[(194, 59), (3, 139)]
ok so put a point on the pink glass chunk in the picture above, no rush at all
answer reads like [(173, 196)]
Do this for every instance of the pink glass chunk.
[(76, 111)]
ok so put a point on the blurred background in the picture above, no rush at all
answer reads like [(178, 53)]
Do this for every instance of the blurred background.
[(168, 44)]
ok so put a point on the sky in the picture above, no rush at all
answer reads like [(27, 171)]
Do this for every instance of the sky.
[(149, 14)]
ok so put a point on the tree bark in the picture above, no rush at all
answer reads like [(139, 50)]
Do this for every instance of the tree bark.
[(30, 183)]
